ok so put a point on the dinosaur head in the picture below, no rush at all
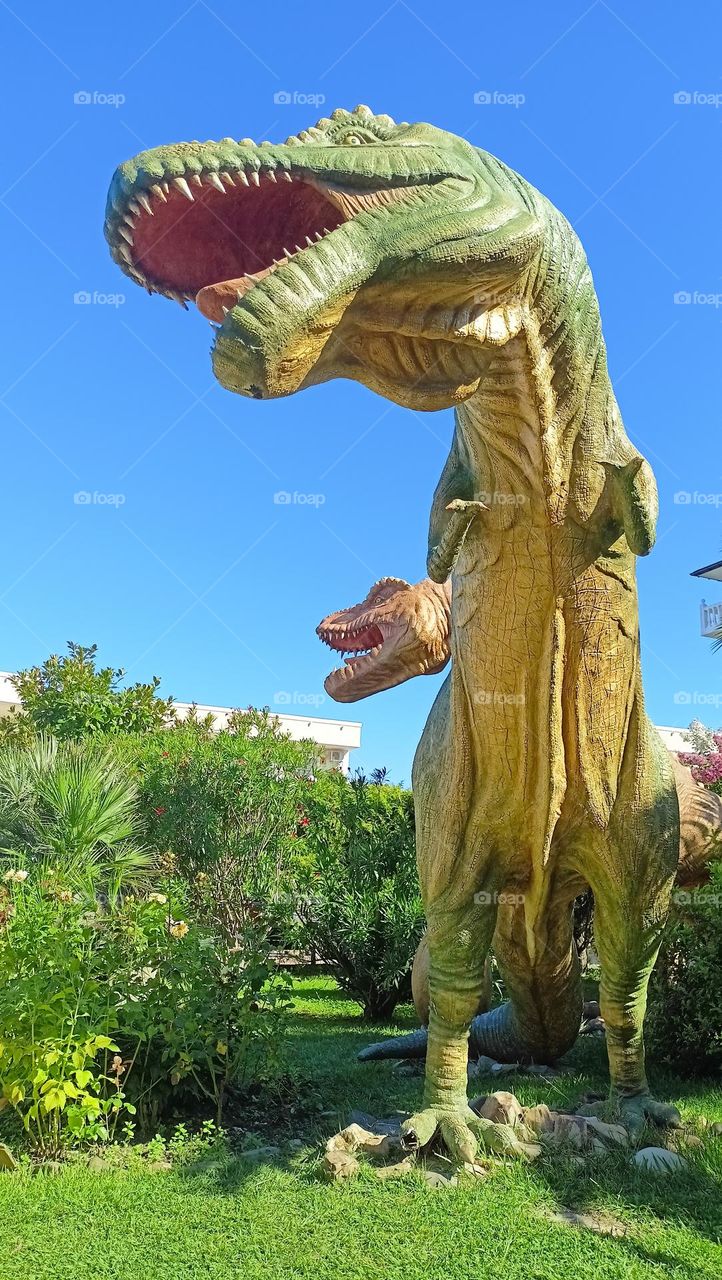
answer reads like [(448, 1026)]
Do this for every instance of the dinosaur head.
[(400, 630), (360, 248)]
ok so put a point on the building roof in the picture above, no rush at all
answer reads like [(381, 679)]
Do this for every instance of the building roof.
[(713, 571)]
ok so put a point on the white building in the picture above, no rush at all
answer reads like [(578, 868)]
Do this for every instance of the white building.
[(710, 621), (675, 739), (336, 738)]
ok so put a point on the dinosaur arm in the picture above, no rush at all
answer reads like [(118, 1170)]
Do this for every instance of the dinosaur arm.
[(634, 503), (452, 510)]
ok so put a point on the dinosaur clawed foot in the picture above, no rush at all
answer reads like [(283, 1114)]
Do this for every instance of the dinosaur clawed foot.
[(463, 1133), (636, 1111)]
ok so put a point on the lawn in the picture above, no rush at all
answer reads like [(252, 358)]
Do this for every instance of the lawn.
[(226, 1216)]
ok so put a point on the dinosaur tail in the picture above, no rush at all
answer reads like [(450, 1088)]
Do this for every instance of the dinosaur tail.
[(411, 1046)]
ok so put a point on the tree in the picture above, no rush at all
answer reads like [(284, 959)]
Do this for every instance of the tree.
[(706, 759), (71, 698)]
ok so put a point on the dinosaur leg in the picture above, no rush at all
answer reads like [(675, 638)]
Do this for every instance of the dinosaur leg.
[(632, 881), (540, 1021), (458, 944)]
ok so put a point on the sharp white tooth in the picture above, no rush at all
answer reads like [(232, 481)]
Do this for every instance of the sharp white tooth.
[(216, 182), (287, 252), (159, 192), (225, 310), (298, 249), (124, 252), (166, 187), (242, 176), (255, 178), (271, 175), (126, 233), (183, 187), (226, 178), (197, 179), (130, 219), (239, 295), (145, 203), (134, 206), (326, 231), (318, 236), (309, 240), (286, 175)]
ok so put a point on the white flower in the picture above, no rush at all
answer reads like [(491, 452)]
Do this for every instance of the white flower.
[(157, 897), (15, 877)]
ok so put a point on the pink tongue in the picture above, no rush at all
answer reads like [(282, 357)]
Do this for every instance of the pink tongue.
[(211, 300)]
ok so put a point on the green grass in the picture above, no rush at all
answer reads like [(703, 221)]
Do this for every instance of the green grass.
[(225, 1217)]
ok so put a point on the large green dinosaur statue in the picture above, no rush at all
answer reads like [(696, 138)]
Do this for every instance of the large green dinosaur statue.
[(405, 258), (401, 630)]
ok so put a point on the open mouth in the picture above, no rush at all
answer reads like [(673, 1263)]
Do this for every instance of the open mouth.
[(210, 237), (360, 646)]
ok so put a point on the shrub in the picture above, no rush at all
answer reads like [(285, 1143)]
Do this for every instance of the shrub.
[(358, 901), (70, 697), (105, 1008), (684, 1019), (226, 805), (72, 807)]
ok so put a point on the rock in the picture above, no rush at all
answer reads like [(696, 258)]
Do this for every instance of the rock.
[(51, 1166), (339, 1165), (613, 1134), (391, 1126), (260, 1153), (502, 1108), (716, 1129), (539, 1119), (7, 1159), (398, 1170), (295, 1144), (504, 1068), (568, 1129), (658, 1160), (354, 1138), (164, 1166), (602, 1223), (98, 1164), (483, 1066)]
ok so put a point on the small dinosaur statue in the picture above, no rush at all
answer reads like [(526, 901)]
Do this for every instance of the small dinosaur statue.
[(404, 257), (401, 630)]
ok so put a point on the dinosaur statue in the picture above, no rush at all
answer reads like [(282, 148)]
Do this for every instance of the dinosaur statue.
[(403, 257), (401, 630)]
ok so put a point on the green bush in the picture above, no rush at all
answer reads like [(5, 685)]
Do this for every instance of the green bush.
[(358, 903), (226, 806), (684, 1018), (72, 807), (71, 698), (105, 1009)]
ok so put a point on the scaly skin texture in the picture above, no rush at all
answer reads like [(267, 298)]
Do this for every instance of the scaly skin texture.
[(437, 276), (411, 625)]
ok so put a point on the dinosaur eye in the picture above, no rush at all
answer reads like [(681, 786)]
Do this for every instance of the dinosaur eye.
[(353, 140)]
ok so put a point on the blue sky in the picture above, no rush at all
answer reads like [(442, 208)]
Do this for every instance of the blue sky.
[(198, 575)]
